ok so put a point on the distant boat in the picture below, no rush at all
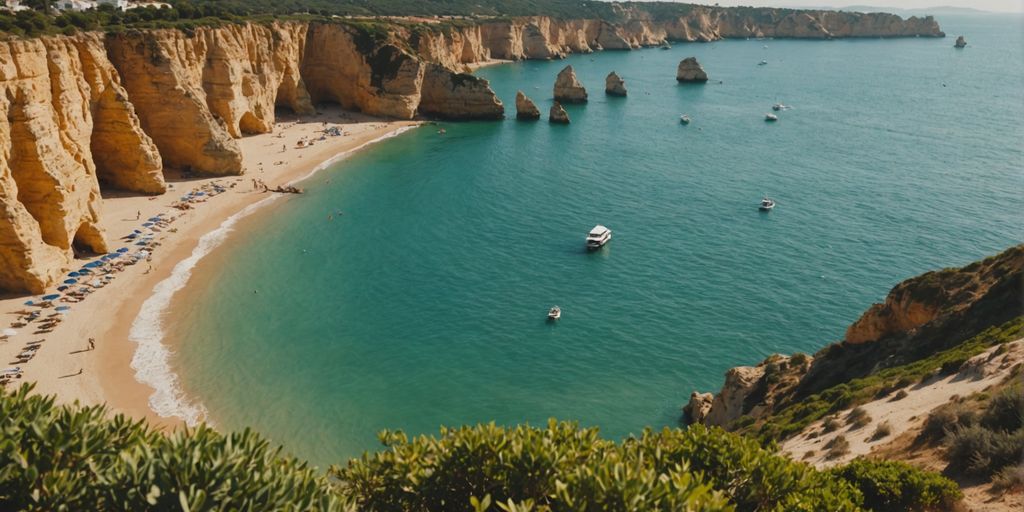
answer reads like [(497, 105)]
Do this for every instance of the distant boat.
[(554, 313), (767, 204), (597, 237), (778, 106), (762, 63), (685, 119), (771, 118), (666, 46)]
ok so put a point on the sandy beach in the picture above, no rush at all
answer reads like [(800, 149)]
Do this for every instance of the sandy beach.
[(64, 364)]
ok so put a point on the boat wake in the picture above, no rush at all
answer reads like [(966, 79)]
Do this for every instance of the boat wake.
[(152, 358)]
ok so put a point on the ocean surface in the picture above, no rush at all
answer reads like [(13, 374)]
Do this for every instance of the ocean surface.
[(411, 290)]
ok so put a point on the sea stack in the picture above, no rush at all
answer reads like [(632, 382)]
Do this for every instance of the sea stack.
[(558, 115), (525, 108), (568, 88), (691, 71), (960, 42), (614, 85)]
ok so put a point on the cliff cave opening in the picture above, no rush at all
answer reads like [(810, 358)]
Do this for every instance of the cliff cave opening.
[(88, 241)]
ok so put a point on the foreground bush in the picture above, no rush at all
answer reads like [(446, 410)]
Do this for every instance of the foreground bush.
[(564, 467), (78, 458), (75, 458), (892, 485)]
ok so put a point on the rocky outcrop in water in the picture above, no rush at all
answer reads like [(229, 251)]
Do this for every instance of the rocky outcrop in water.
[(960, 42), (690, 70), (449, 95), (614, 85), (568, 88), (558, 115), (525, 108)]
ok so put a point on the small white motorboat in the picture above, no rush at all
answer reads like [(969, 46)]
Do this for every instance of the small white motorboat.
[(762, 63), (778, 106), (771, 117), (685, 119), (597, 237), (554, 313), (767, 204)]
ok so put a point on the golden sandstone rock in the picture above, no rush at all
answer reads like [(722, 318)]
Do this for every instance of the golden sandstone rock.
[(89, 110)]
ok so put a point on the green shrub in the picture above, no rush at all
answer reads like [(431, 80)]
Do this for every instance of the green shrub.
[(837, 447), (858, 417), (1009, 479), (883, 429), (978, 451), (75, 458), (945, 419), (1006, 410), (830, 424), (900, 395), (892, 485)]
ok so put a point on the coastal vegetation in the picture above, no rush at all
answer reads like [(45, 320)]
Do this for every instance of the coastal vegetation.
[(794, 417), (73, 457)]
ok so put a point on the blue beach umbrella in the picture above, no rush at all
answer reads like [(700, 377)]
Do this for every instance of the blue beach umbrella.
[(122, 250), (155, 219), (70, 281), (147, 224), (54, 296), (93, 264), (29, 303), (63, 308), (85, 272), (73, 274), (62, 288)]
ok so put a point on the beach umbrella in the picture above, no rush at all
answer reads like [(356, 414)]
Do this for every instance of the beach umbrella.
[(147, 224), (10, 332), (155, 219), (93, 264), (122, 250), (85, 272), (50, 297), (29, 303), (63, 308), (62, 288), (73, 274)]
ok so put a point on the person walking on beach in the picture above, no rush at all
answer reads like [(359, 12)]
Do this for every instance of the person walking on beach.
[(138, 214), (92, 343)]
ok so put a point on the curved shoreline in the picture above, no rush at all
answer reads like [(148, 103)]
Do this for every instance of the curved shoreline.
[(91, 356), (152, 358)]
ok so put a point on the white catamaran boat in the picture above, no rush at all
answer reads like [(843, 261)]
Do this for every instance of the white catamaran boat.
[(766, 205), (555, 313), (597, 237)]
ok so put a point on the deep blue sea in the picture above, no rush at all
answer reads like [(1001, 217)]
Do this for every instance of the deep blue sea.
[(424, 304)]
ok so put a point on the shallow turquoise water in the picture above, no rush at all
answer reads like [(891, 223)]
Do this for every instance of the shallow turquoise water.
[(424, 303)]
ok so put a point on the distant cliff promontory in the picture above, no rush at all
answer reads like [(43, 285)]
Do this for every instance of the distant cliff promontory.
[(89, 111)]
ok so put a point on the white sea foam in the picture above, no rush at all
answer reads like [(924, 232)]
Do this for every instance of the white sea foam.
[(151, 360)]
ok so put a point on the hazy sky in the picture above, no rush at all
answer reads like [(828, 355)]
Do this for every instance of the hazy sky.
[(985, 5)]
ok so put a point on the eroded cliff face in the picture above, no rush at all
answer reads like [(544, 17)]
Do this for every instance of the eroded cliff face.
[(920, 317), (114, 111), (59, 96)]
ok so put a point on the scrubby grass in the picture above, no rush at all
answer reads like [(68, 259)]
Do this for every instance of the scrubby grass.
[(883, 430), (794, 418), (837, 447), (858, 418)]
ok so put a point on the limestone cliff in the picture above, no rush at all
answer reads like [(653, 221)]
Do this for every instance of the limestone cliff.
[(449, 95), (614, 85), (90, 110), (568, 88), (920, 317), (690, 70), (526, 109), (557, 114)]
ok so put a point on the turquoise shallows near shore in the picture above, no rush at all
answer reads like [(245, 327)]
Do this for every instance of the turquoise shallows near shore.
[(424, 303)]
